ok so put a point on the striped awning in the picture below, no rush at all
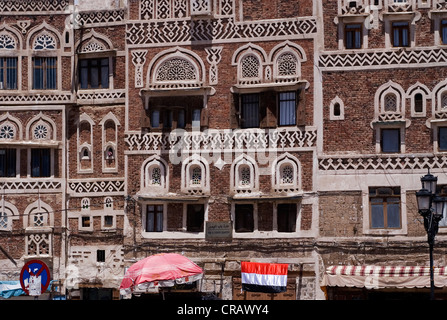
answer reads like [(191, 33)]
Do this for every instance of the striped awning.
[(374, 277)]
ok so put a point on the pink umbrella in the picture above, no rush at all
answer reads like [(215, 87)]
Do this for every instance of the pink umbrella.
[(160, 270)]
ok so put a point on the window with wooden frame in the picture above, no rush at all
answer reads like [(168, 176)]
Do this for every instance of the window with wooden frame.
[(287, 108), (44, 73), (8, 162), (154, 218), (8, 73), (390, 140), (195, 217), (286, 217), (385, 210), (250, 110), (353, 36), (244, 218), (400, 34), (40, 162), (94, 73)]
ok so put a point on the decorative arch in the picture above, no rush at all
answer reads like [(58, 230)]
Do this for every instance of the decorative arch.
[(5, 32), (250, 60), (286, 174), (154, 175), (38, 215), (418, 95), (8, 213), (109, 126), (195, 175), (176, 68), (439, 97), (10, 127), (41, 127), (286, 59), (93, 42), (244, 175), (389, 98), (43, 37)]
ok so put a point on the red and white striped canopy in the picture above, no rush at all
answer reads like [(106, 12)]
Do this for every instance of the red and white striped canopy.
[(374, 277), (385, 271)]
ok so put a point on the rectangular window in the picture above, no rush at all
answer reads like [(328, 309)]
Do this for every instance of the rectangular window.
[(390, 140), (244, 218), (40, 162), (442, 138), (195, 217), (401, 34), (195, 119), (94, 73), (287, 108), (8, 73), (100, 255), (8, 162), (44, 73), (385, 208), (250, 110), (286, 217), (108, 221), (353, 36), (85, 221), (444, 31), (154, 218)]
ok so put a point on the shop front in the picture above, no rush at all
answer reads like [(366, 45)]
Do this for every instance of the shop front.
[(370, 282)]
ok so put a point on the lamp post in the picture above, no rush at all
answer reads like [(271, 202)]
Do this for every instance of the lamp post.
[(431, 208)]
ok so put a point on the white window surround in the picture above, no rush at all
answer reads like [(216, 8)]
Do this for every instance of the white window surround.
[(47, 30), (367, 230), (418, 88), (341, 105), (109, 143), (268, 234), (286, 160), (342, 21), (188, 165), (172, 234), (241, 162), (38, 207), (9, 213), (146, 184), (410, 17), (86, 145)]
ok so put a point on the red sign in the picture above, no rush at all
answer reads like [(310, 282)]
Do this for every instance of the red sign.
[(35, 277)]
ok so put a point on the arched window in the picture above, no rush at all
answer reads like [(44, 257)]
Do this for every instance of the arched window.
[(286, 174), (154, 175), (390, 103), (195, 176), (244, 175)]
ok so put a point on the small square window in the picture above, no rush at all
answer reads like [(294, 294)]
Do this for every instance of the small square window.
[(401, 34), (353, 36), (100, 255), (85, 222), (108, 221), (390, 140)]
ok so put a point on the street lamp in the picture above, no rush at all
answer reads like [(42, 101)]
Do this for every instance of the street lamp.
[(431, 208)]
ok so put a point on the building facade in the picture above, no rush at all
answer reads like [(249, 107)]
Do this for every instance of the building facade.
[(271, 131)]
